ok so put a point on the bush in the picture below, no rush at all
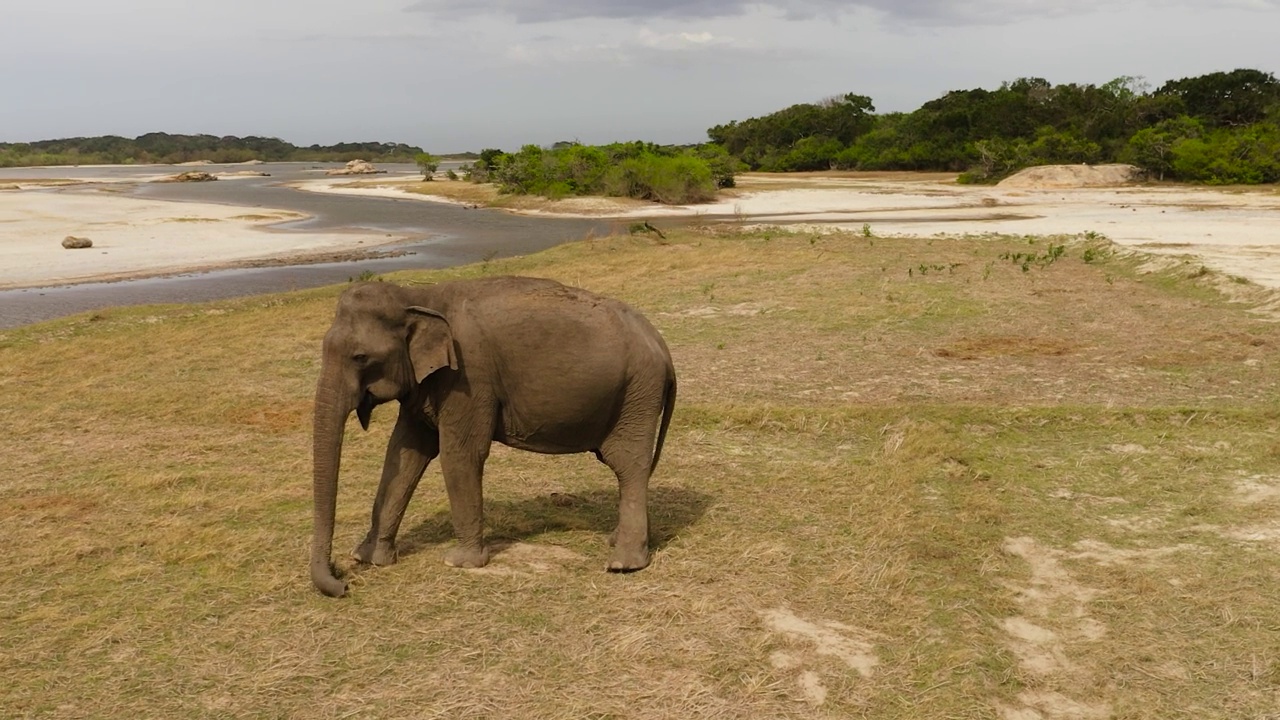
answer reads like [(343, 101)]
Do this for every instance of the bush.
[(427, 163), (639, 170), (1151, 148), (724, 167), (670, 180), (1226, 157)]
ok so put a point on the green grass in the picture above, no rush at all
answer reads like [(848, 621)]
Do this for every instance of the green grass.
[(1055, 490)]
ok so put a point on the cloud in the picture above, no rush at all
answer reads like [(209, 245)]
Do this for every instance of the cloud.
[(929, 12), (682, 40), (644, 46), (538, 11)]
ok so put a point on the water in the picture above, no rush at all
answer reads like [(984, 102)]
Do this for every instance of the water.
[(448, 235)]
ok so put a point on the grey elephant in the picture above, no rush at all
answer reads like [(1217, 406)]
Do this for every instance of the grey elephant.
[(526, 362)]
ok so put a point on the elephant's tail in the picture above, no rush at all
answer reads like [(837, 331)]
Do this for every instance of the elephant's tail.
[(668, 406)]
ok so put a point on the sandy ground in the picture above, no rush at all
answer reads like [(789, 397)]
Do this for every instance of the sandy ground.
[(135, 237), (1233, 230)]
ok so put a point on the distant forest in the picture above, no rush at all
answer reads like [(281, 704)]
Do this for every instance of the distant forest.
[(1219, 128), (161, 147)]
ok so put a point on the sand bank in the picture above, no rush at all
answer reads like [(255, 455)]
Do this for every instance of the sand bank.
[(136, 237), (1233, 230)]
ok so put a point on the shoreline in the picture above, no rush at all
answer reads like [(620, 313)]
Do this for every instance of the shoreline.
[(1232, 230), (274, 261), (136, 237)]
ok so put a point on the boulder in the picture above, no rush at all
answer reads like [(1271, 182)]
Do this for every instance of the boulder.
[(356, 167), (71, 242)]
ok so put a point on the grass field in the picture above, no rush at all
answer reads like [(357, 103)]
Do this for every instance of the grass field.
[(905, 479)]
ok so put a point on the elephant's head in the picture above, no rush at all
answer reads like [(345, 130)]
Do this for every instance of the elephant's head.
[(380, 347)]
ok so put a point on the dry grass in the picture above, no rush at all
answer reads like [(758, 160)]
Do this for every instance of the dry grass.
[(487, 195), (255, 217), (13, 183), (838, 180), (960, 491)]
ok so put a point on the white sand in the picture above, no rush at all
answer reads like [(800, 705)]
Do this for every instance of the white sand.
[(133, 236), (1234, 231)]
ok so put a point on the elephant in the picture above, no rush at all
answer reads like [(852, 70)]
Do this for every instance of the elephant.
[(526, 362)]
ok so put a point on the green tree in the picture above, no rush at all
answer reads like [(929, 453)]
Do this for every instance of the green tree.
[(1236, 98), (428, 163), (1151, 148)]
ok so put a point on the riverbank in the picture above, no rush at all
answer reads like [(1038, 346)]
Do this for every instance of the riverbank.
[(1233, 230), (135, 237), (1230, 230)]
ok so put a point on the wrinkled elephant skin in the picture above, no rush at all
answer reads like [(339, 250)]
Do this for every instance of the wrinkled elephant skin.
[(529, 363)]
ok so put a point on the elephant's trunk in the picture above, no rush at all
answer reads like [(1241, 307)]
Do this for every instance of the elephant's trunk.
[(331, 413)]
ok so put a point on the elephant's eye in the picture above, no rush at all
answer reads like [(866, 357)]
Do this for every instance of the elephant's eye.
[(360, 358)]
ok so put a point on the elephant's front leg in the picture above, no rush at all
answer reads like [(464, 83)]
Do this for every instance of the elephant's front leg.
[(462, 458), (412, 447)]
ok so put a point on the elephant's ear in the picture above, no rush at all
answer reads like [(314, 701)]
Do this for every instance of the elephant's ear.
[(430, 342)]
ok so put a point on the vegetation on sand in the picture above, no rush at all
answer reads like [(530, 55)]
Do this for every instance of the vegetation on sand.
[(638, 170)]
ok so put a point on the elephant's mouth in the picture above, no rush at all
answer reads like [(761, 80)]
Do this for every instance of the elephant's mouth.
[(365, 408)]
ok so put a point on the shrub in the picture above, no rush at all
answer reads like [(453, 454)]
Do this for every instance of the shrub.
[(1229, 156), (670, 180), (638, 170)]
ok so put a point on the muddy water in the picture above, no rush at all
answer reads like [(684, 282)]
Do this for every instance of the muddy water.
[(441, 236)]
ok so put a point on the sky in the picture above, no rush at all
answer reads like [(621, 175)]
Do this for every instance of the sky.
[(456, 75)]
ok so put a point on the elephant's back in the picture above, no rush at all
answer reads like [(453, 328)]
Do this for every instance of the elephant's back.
[(524, 314)]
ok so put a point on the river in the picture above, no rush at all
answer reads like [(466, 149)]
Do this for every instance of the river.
[(443, 235)]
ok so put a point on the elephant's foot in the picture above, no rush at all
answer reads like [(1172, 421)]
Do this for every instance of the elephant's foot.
[(629, 557), (375, 553), (467, 557)]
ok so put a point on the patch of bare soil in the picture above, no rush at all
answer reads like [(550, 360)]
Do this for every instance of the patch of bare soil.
[(522, 559), (1073, 176), (1258, 491), (1055, 616), (823, 638)]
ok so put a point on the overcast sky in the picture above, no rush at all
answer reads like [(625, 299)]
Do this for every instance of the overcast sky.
[(452, 75)]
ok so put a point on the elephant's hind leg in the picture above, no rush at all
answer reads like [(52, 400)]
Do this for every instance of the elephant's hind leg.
[(413, 445), (630, 459)]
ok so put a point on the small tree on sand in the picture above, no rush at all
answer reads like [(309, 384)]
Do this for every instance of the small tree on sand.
[(428, 163)]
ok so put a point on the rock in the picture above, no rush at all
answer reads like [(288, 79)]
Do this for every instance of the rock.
[(191, 176), (10, 187), (71, 242), (356, 167)]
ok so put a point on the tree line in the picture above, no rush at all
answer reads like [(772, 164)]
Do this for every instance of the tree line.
[(1222, 127), (162, 147)]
